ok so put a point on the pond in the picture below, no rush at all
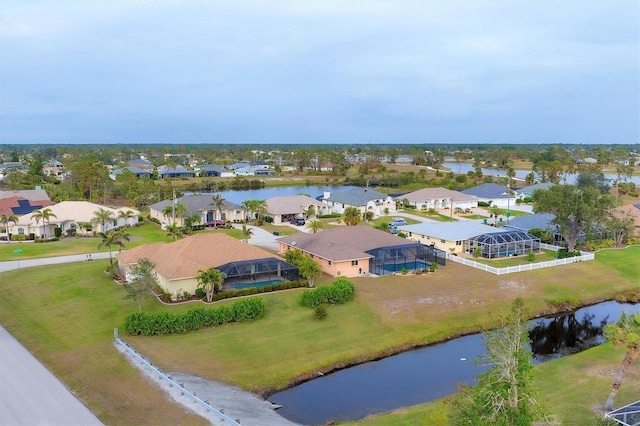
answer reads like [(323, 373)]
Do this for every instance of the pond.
[(432, 372)]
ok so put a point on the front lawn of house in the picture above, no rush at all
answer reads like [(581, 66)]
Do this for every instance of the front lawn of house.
[(65, 315)]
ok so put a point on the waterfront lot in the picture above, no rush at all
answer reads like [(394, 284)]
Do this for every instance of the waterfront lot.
[(65, 315)]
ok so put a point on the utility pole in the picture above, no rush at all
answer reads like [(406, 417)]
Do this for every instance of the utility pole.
[(173, 207)]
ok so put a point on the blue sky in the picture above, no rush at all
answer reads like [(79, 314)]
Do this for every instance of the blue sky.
[(320, 72)]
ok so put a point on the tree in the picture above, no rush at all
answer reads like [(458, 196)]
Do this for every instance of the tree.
[(218, 203), (115, 237), (246, 232), (577, 210), (5, 219), (142, 281), (210, 280), (625, 332), (102, 216), (192, 220), (351, 216), (45, 215), (126, 215), (174, 231), (503, 395), (495, 212), (310, 270), (315, 226), (620, 226)]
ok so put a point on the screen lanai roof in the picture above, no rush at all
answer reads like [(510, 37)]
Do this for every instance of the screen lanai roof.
[(504, 237), (629, 415)]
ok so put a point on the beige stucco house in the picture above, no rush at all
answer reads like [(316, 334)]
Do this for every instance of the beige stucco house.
[(439, 198), (178, 263), (284, 208), (201, 205), (364, 199), (71, 215)]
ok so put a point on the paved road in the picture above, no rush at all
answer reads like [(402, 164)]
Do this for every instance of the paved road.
[(27, 263), (31, 395)]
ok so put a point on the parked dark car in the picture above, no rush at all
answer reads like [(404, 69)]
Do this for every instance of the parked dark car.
[(298, 221), (217, 224)]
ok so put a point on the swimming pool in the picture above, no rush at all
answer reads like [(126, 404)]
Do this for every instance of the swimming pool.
[(410, 266), (240, 286)]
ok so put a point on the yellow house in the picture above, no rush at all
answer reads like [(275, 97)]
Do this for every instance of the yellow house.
[(447, 236)]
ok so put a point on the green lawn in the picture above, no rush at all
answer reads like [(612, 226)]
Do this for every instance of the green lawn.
[(543, 256), (65, 315)]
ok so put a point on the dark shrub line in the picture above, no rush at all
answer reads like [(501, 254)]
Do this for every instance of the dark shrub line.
[(159, 323)]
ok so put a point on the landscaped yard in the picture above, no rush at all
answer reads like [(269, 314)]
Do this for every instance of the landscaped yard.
[(542, 256), (65, 315)]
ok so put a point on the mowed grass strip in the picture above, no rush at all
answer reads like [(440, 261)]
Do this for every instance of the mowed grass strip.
[(65, 316)]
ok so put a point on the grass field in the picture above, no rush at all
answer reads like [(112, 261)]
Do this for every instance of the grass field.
[(65, 315)]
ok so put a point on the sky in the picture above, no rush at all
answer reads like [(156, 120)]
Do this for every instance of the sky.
[(304, 72)]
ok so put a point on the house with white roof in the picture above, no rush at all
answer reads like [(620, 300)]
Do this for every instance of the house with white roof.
[(439, 198), (447, 236), (69, 215)]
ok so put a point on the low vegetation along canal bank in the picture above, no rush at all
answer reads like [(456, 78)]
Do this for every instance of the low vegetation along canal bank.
[(433, 372)]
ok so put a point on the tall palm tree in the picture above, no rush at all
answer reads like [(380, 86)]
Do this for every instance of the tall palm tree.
[(246, 232), (115, 237), (315, 226), (351, 216), (174, 231), (5, 219), (218, 203), (625, 332), (102, 216), (192, 220), (45, 215), (261, 210), (210, 280), (495, 212), (126, 215), (173, 211)]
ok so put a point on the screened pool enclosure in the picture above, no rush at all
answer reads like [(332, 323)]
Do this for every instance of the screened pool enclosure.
[(502, 244), (390, 260), (257, 272)]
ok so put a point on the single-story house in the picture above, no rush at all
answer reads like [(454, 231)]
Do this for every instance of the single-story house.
[(23, 201), (137, 171), (174, 172), (177, 264), (208, 170), (494, 194), (201, 205), (351, 251), (141, 163), (254, 171), (284, 208), (447, 236), (631, 211), (10, 167), (72, 215), (528, 191), (439, 198), (365, 199)]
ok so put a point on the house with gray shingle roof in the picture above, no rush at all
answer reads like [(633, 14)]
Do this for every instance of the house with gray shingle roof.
[(439, 198), (209, 170), (527, 191), (365, 199), (174, 172), (494, 194), (138, 172), (350, 251), (201, 205)]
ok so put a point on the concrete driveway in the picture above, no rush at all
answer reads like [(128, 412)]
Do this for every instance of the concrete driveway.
[(261, 238)]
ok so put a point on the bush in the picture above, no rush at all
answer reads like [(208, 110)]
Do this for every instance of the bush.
[(531, 257), (57, 231), (341, 291), (160, 323), (200, 294), (321, 312), (18, 237)]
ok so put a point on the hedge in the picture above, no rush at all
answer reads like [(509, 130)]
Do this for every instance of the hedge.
[(159, 323), (341, 291)]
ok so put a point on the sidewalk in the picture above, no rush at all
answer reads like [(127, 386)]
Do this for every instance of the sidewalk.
[(11, 265)]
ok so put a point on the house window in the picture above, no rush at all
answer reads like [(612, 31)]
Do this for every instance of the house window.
[(311, 256), (458, 243), (354, 263), (329, 262), (21, 231), (442, 241)]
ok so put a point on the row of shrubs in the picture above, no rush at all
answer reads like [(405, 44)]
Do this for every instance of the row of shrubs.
[(160, 323), (341, 291), (228, 294)]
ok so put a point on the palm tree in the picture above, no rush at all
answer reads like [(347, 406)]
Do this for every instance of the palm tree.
[(102, 216), (210, 280), (174, 231), (261, 210), (191, 221), (173, 211), (126, 215), (351, 216), (44, 215), (5, 219), (315, 226), (218, 203), (495, 212), (115, 237), (310, 270), (167, 212), (625, 332), (246, 232)]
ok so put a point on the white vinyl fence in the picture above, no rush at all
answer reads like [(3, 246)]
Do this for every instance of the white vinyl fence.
[(525, 267)]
